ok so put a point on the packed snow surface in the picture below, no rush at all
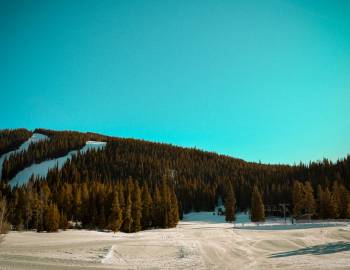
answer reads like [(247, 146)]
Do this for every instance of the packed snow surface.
[(191, 245), (36, 137), (42, 168)]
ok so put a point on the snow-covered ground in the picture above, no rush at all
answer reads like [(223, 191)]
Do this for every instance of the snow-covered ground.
[(42, 168), (210, 217), (191, 245), (36, 137)]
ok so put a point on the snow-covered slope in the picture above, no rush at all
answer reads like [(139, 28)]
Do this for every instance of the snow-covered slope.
[(36, 137), (42, 168)]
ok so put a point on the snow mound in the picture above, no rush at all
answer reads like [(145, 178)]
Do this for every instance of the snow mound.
[(42, 168), (36, 137)]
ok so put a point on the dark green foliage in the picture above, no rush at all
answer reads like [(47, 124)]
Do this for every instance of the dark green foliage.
[(174, 210), (303, 199), (146, 220), (51, 218), (116, 215), (257, 206), (230, 204), (11, 139), (127, 215), (136, 208)]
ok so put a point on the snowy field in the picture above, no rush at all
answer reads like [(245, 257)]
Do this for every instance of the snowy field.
[(193, 244)]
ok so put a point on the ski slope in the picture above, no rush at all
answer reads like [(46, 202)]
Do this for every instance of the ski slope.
[(41, 169), (36, 137)]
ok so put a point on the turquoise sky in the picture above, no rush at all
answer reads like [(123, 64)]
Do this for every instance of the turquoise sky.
[(260, 80)]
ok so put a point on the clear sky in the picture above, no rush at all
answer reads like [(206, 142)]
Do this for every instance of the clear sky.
[(259, 80)]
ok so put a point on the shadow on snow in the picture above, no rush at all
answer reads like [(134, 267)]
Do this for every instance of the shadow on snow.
[(316, 250)]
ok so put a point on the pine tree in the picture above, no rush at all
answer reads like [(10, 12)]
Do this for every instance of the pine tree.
[(127, 222), (116, 216), (157, 216), (309, 200), (146, 220), (329, 204), (230, 204), (347, 215), (3, 215), (165, 205), (298, 198), (63, 221), (320, 202), (344, 201), (85, 202), (174, 210), (336, 198), (52, 218), (77, 202), (136, 208), (257, 206)]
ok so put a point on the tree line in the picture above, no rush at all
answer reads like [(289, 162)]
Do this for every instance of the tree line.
[(325, 204), (119, 206)]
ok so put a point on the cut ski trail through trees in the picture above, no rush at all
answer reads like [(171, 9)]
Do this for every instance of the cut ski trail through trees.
[(36, 137), (42, 168)]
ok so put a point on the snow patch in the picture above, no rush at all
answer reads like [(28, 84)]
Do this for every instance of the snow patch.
[(36, 137), (42, 168), (213, 217)]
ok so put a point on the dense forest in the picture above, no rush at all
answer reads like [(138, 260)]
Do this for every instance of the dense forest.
[(96, 186), (11, 139)]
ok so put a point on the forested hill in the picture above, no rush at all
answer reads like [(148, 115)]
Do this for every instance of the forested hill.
[(197, 177)]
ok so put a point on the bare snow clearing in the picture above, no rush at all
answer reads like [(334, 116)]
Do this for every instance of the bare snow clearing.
[(42, 168), (191, 245)]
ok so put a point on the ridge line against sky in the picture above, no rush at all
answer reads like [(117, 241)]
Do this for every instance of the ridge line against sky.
[(320, 159), (257, 80)]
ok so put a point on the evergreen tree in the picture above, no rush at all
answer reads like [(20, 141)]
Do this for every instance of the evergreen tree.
[(146, 220), (116, 216), (174, 210), (52, 218), (127, 222), (257, 206), (63, 221), (329, 204), (309, 200), (230, 204), (344, 201), (165, 205), (347, 215), (157, 215), (320, 203), (336, 198), (298, 198), (136, 208), (77, 202)]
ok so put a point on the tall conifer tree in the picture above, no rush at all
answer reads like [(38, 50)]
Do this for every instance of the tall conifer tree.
[(230, 204), (257, 206)]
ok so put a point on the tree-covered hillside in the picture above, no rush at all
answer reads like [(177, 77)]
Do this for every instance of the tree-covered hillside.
[(99, 185)]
